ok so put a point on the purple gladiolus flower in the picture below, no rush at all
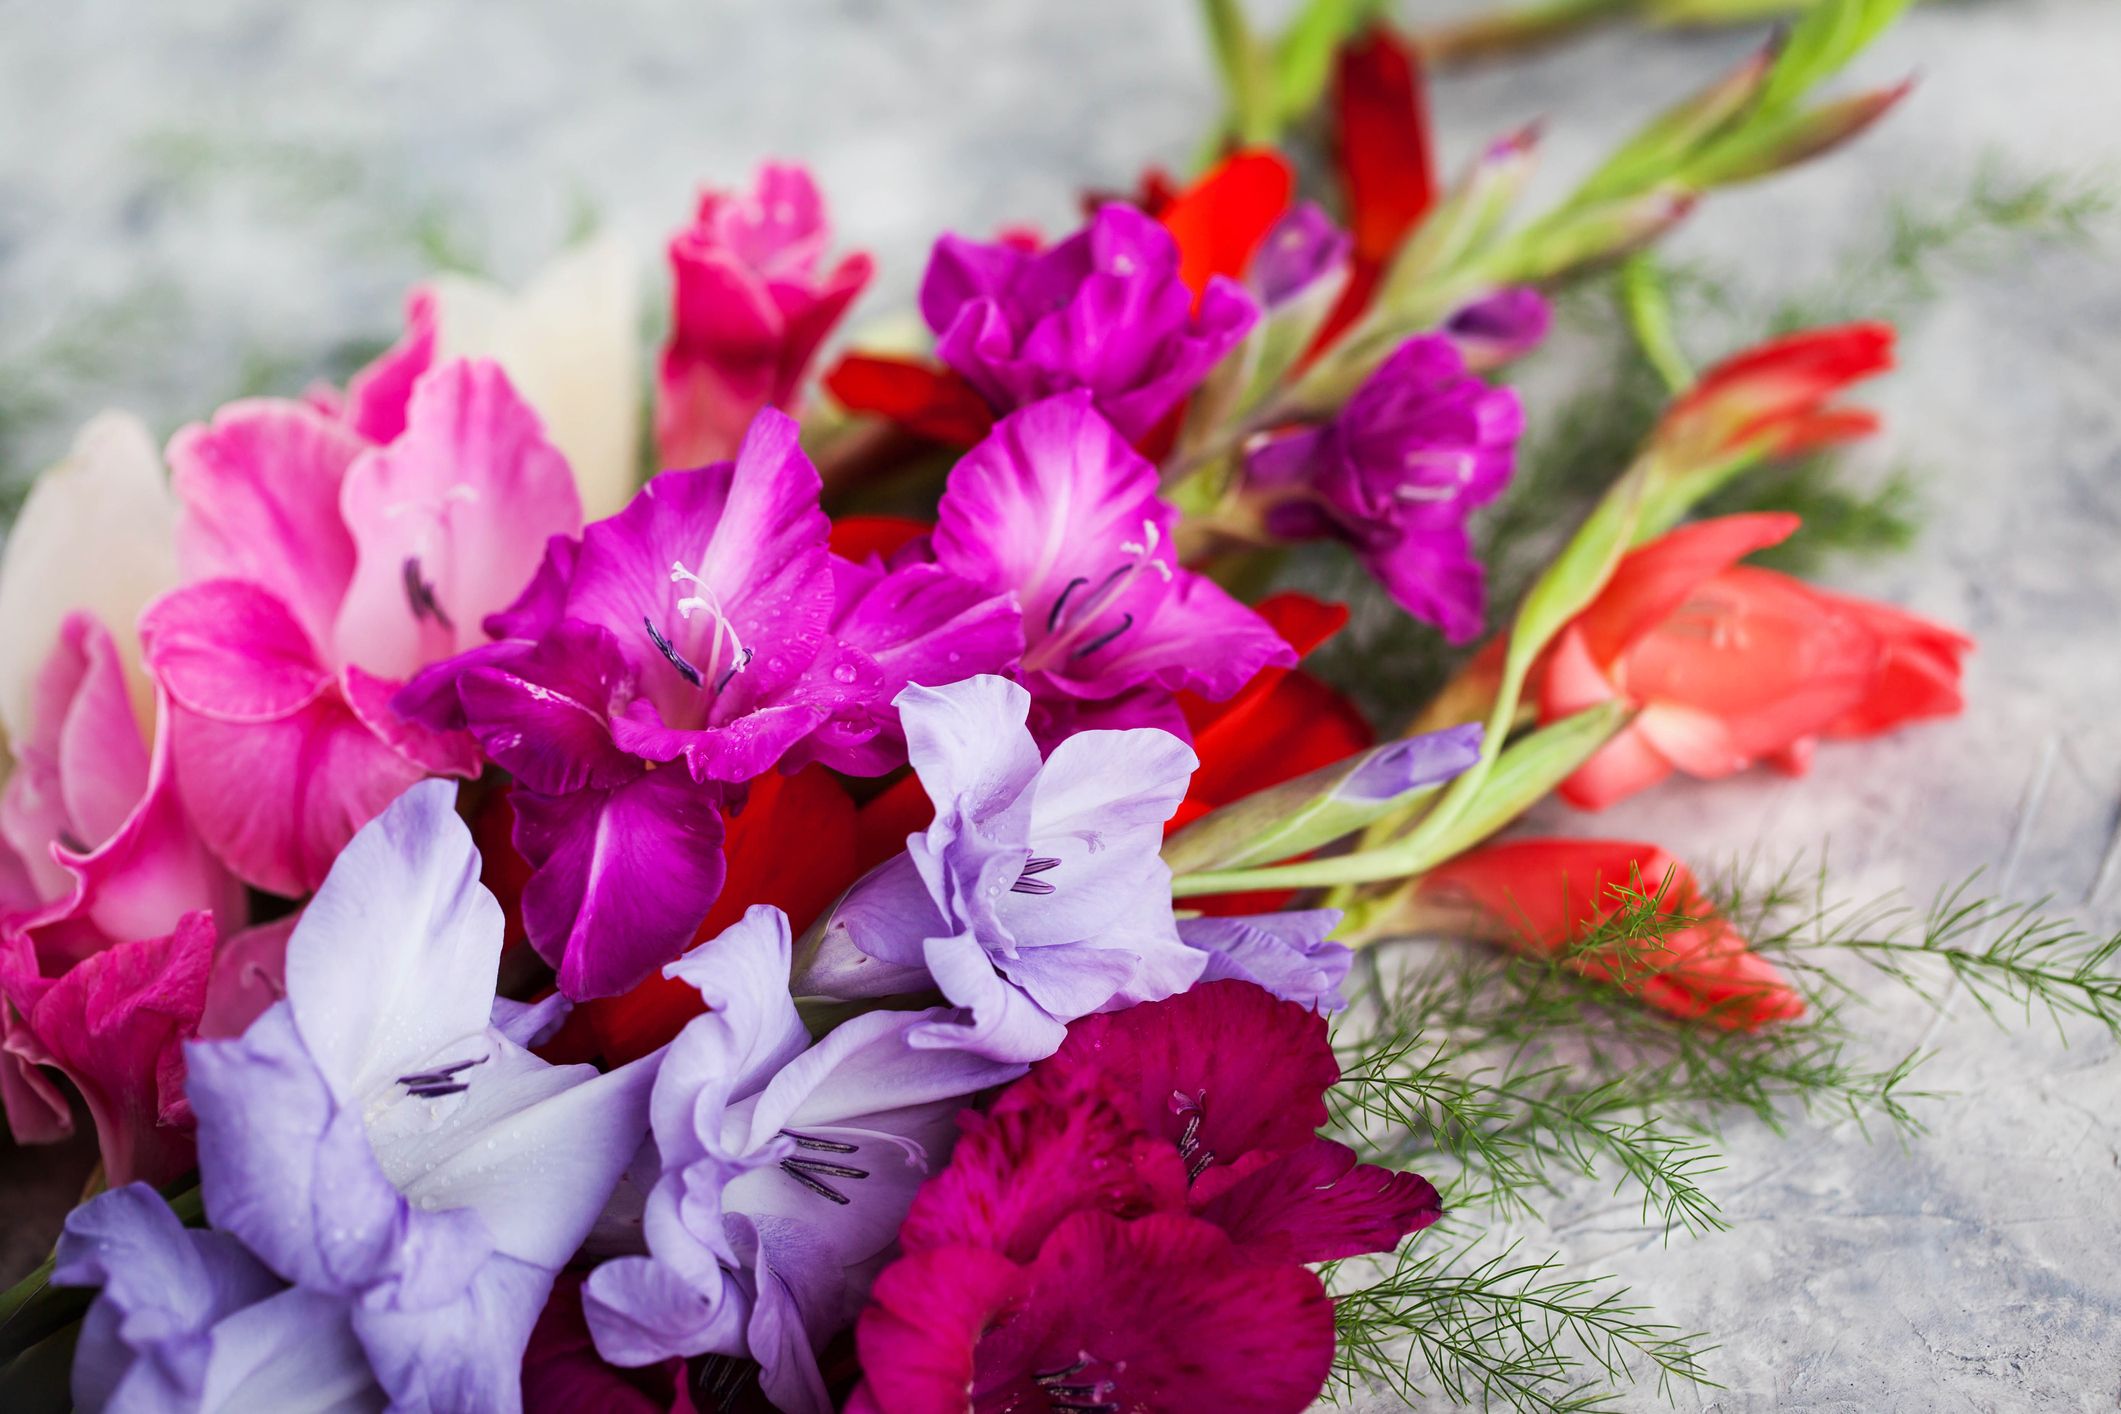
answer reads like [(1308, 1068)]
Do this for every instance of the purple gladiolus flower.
[(1055, 507), (1286, 953), (786, 1169), (1036, 897), (378, 1143), (190, 1320), (1303, 248), (1501, 327), (697, 639), (1419, 446), (1104, 310)]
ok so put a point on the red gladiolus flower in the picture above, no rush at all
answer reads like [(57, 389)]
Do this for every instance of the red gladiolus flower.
[(915, 396), (1386, 157), (1733, 665), (811, 807), (1774, 398), (1552, 895), (1221, 219)]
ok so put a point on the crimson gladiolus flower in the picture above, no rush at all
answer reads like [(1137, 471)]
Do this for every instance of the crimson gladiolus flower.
[(1732, 665), (1552, 896)]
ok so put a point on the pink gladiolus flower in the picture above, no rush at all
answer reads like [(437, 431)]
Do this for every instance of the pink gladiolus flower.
[(1732, 665), (95, 854), (750, 306), (1550, 896), (114, 1024), (318, 573)]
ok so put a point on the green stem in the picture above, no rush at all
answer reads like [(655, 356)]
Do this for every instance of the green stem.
[(1649, 308)]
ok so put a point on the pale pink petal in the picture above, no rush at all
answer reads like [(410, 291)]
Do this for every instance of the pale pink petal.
[(95, 535), (449, 522), (1626, 764)]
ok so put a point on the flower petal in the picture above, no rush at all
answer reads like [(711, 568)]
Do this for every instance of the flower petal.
[(623, 877), (449, 522), (260, 493), (395, 957), (567, 342), (96, 535)]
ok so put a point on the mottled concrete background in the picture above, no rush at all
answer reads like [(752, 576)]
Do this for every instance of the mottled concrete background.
[(194, 197)]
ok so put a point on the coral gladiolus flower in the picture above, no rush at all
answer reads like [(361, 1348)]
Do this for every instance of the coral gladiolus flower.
[(1552, 895), (1733, 665)]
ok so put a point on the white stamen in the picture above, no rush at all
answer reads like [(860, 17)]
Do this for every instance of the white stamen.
[(1146, 547)]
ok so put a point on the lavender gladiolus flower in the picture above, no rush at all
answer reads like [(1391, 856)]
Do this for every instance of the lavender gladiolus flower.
[(1303, 248), (1036, 897), (1419, 446), (1286, 953), (1103, 310), (786, 1170), (190, 1320), (378, 1143)]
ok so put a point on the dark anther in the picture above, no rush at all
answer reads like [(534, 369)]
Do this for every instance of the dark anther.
[(1196, 1154), (1026, 884), (677, 660), (436, 1092), (420, 593), (1060, 602), (439, 1076), (743, 661), (1047, 1377), (825, 1146), (1126, 621), (811, 1173)]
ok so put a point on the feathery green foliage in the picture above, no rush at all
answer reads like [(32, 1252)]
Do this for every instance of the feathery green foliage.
[(1505, 1076)]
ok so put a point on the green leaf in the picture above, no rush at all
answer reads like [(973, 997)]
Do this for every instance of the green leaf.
[(1831, 33), (1303, 60), (1664, 144)]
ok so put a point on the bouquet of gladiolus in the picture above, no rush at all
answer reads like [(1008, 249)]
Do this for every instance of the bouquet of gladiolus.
[(851, 919)]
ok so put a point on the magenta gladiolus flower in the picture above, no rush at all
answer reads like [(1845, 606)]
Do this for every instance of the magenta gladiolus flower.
[(1419, 446), (1163, 1312), (320, 571), (694, 641), (1055, 507), (750, 305), (114, 1024), (1103, 311)]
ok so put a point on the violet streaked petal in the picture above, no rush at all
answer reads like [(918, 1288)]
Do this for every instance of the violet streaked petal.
[(623, 877)]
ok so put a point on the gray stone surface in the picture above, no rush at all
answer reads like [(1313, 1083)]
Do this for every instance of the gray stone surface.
[(251, 166)]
